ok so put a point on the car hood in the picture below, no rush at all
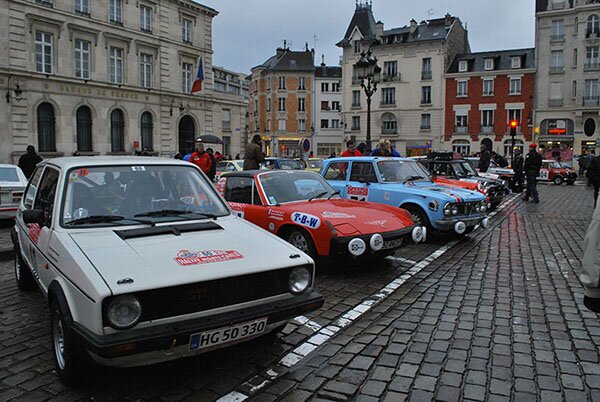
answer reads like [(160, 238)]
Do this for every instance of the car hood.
[(449, 194), (469, 185), (365, 217), (157, 261)]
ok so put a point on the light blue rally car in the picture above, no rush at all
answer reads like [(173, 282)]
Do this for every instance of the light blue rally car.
[(404, 183)]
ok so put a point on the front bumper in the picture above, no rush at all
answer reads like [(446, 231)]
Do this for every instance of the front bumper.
[(171, 341), (448, 224), (339, 245)]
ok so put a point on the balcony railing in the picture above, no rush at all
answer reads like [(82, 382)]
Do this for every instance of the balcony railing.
[(47, 3), (426, 75), (555, 102), (226, 126), (557, 69), (487, 129), (591, 65), (355, 104), (391, 77), (461, 129), (592, 35), (590, 101), (388, 103), (389, 130), (558, 5), (557, 38)]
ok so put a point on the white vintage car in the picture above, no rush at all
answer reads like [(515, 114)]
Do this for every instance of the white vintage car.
[(12, 184), (142, 261)]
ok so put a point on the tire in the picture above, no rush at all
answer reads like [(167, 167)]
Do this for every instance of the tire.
[(420, 217), (23, 275), (558, 180), (72, 364), (300, 239)]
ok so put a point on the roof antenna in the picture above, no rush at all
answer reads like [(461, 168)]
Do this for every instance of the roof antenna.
[(323, 60), (284, 44)]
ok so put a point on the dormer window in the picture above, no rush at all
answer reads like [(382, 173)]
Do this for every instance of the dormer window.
[(488, 64), (463, 66), (515, 62), (356, 46)]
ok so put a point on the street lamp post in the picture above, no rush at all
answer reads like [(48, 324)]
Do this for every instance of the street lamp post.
[(368, 72)]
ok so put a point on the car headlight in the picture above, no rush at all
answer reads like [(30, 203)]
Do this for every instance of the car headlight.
[(477, 207), (454, 210), (124, 312), (483, 206), (299, 280), (447, 210)]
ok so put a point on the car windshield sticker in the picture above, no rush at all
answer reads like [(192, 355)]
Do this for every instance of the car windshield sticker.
[(358, 193), (306, 220), (186, 257), (83, 172), (272, 200), (188, 200), (337, 215), (138, 168), (73, 176)]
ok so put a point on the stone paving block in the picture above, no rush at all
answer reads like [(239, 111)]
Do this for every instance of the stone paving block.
[(474, 392), (374, 388)]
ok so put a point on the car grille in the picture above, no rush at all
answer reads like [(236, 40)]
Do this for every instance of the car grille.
[(179, 300), (467, 209)]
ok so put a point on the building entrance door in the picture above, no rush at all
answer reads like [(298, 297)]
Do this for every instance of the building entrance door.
[(187, 131)]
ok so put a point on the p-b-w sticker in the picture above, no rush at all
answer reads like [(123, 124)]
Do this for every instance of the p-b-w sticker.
[(307, 220)]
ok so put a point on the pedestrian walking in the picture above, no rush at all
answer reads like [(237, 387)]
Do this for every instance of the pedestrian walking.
[(212, 172), (201, 158), (590, 266), (254, 155), (29, 160), (518, 169), (593, 175), (237, 157), (532, 166), (351, 150), (484, 159)]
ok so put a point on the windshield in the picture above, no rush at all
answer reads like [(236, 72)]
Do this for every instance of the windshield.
[(555, 165), (463, 169), (297, 186), (110, 194), (9, 174), (395, 171)]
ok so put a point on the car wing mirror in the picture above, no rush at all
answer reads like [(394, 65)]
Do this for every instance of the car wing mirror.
[(33, 216)]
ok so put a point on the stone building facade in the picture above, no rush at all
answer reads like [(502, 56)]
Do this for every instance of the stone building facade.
[(567, 110), (105, 77), (327, 104), (408, 107)]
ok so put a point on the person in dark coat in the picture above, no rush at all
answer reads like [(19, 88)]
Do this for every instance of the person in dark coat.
[(28, 161), (213, 165), (532, 166), (518, 169), (593, 175), (254, 155), (484, 159)]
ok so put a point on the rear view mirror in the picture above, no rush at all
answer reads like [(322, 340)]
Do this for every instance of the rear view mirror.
[(33, 216)]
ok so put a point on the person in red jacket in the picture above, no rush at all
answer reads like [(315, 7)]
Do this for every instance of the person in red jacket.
[(201, 158), (351, 150)]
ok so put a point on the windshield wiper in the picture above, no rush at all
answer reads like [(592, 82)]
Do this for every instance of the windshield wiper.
[(96, 219), (335, 193), (412, 178), (174, 212), (318, 195)]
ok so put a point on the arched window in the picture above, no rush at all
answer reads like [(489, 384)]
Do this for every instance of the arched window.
[(46, 123), (593, 25), (508, 143), (84, 129), (389, 124), (117, 131), (147, 128), (462, 147)]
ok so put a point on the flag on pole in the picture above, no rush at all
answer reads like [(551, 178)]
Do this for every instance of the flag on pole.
[(197, 86)]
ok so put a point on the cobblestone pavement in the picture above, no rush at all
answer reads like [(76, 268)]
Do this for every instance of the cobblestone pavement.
[(496, 316)]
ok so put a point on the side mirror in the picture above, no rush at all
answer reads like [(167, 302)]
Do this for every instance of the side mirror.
[(34, 216)]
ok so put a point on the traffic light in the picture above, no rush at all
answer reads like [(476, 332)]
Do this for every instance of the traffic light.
[(513, 127)]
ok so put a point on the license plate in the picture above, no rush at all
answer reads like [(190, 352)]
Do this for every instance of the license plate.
[(227, 334), (392, 244)]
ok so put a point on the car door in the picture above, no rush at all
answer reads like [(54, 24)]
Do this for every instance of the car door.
[(242, 195), (25, 240), (362, 183), (544, 172)]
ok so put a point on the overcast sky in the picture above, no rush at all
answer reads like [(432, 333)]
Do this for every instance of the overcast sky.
[(247, 32)]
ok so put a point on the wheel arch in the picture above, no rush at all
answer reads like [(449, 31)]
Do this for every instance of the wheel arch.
[(288, 227), (57, 293)]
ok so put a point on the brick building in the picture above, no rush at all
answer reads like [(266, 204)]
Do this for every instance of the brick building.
[(484, 91)]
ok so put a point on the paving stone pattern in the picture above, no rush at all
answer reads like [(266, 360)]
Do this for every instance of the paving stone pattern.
[(498, 317)]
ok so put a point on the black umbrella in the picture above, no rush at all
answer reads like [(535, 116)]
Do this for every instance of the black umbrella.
[(209, 139)]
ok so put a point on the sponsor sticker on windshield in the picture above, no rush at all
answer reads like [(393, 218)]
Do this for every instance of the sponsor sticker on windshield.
[(306, 220), (186, 257), (138, 168)]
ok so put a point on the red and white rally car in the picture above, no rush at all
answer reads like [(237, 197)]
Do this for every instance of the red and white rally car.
[(304, 209), (553, 171)]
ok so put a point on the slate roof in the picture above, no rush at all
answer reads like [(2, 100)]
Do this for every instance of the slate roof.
[(364, 20), (542, 5), (289, 60), (502, 60), (328, 72)]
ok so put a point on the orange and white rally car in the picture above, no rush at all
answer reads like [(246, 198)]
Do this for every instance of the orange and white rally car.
[(304, 209)]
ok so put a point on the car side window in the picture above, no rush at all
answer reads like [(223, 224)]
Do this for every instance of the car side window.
[(441, 169), (46, 194), (241, 189), (336, 171), (32, 187), (363, 171)]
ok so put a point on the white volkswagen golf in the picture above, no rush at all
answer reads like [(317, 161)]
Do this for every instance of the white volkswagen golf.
[(142, 261)]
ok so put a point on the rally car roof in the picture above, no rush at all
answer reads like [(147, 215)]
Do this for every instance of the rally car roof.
[(79, 161)]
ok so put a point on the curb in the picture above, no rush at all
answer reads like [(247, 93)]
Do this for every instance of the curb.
[(6, 254)]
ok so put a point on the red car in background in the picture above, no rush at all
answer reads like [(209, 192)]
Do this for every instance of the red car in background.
[(304, 209), (556, 173)]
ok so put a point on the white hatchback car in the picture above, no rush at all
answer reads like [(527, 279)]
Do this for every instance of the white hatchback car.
[(142, 261), (12, 184)]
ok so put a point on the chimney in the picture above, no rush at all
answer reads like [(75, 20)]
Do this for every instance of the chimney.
[(413, 26), (379, 29), (448, 20), (280, 51)]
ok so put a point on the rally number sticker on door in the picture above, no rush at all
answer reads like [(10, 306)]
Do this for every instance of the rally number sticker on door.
[(358, 193), (543, 174)]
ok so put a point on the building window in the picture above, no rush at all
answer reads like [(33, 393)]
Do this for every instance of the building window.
[(302, 84), (268, 84), (282, 82), (488, 87), (591, 57), (487, 121), (515, 62), (281, 105), (282, 125), (462, 147), (576, 26), (43, 52), (186, 77), (515, 86), (462, 122), (324, 123), (575, 57), (558, 30), (390, 70), (268, 104), (324, 87), (335, 105), (116, 65), (556, 61), (574, 90), (145, 19), (255, 86), (186, 30), (82, 7), (335, 87), (425, 121), (269, 125), (301, 125), (145, 70), (84, 129), (389, 124), (302, 104), (591, 93), (488, 64), (147, 127), (426, 95), (327, 149), (463, 66), (117, 131), (355, 123), (255, 107), (116, 11), (355, 98), (356, 46), (82, 59), (324, 105), (461, 88), (426, 69), (388, 96), (46, 123), (335, 123), (514, 114), (593, 26)]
